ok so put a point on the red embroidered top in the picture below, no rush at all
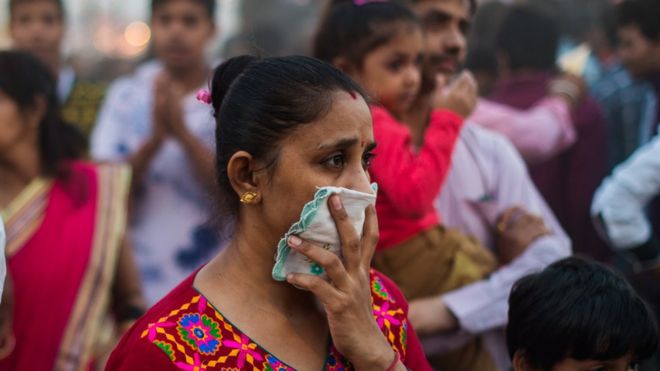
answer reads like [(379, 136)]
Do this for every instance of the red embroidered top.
[(409, 181), (184, 332)]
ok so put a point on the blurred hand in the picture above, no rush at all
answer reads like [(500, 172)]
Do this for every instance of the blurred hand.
[(459, 97), (570, 87), (516, 230), (431, 315), (168, 108)]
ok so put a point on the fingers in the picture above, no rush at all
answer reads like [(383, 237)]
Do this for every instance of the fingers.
[(314, 284), (348, 236), (329, 261), (369, 236)]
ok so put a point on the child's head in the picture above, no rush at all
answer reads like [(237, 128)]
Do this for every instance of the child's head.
[(578, 315), (37, 26), (378, 43), (181, 31)]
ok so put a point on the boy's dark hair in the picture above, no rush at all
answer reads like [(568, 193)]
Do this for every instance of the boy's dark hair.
[(579, 309), (14, 3), (643, 14), (209, 5), (529, 39), (259, 102), (352, 31)]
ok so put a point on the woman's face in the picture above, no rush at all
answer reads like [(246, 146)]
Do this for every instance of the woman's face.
[(332, 151), (12, 123)]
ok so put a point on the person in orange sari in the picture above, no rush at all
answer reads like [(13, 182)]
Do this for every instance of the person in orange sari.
[(65, 228)]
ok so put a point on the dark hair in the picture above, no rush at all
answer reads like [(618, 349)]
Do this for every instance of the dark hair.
[(352, 31), (579, 309), (209, 6), (528, 38), (472, 3), (14, 3), (24, 79), (641, 13), (258, 102)]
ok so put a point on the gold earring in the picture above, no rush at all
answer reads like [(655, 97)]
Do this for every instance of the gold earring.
[(248, 198)]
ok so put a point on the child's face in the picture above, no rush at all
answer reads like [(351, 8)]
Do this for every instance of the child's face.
[(181, 31), (391, 73), (37, 27)]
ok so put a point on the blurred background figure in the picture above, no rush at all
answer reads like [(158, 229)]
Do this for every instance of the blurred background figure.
[(152, 120), (38, 27), (68, 255)]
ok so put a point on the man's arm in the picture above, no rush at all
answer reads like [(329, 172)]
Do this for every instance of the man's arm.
[(618, 207)]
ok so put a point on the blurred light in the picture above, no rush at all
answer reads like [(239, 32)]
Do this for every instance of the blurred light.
[(137, 34)]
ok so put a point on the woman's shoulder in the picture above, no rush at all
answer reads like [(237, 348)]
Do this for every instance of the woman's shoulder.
[(152, 340)]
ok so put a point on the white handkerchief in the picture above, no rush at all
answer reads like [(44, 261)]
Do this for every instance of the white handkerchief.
[(317, 226)]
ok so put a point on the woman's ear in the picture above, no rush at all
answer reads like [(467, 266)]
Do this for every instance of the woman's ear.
[(245, 177)]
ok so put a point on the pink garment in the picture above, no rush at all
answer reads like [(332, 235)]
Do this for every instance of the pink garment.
[(409, 181), (487, 177), (539, 133)]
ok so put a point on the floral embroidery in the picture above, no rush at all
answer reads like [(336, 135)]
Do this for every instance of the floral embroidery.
[(403, 337), (378, 289), (196, 337), (274, 364), (200, 332), (167, 348), (246, 350)]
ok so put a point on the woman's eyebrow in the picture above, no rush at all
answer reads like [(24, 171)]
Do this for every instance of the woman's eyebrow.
[(341, 143)]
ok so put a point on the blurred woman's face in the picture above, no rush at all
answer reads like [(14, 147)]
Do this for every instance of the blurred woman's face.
[(12, 125), (333, 151)]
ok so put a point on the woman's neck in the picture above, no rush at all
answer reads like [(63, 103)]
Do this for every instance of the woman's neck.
[(244, 267)]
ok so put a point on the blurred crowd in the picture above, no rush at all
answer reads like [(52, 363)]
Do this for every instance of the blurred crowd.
[(508, 137)]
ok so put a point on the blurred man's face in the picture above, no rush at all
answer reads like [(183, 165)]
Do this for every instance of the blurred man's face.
[(446, 24), (38, 28), (181, 31), (639, 54)]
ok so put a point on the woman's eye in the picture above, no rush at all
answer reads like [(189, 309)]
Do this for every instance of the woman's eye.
[(367, 159), (395, 66), (336, 161)]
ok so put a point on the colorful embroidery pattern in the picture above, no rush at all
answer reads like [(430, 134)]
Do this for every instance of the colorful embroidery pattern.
[(196, 337)]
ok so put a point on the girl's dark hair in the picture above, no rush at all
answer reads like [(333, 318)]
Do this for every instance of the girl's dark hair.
[(258, 102), (352, 31), (24, 79), (209, 5), (579, 309), (14, 3)]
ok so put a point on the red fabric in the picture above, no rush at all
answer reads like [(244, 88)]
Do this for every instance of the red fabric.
[(161, 339), (47, 271), (409, 181)]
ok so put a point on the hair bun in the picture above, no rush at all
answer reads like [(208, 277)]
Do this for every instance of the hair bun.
[(225, 75)]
